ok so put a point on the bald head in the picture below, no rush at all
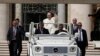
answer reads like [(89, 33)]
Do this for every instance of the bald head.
[(74, 21)]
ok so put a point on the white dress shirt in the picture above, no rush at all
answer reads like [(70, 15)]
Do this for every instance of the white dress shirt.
[(80, 38), (74, 26), (79, 35), (14, 33)]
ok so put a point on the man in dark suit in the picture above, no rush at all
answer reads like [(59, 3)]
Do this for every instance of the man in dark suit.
[(22, 35), (60, 29), (41, 29), (20, 27), (81, 38), (74, 26), (14, 37)]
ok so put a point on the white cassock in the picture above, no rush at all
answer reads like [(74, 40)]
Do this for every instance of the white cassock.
[(50, 24)]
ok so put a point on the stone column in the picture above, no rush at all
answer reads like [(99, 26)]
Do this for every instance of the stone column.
[(4, 21), (18, 12), (81, 11), (61, 13)]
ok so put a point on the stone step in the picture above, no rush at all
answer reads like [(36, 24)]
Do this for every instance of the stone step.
[(90, 42), (92, 53), (8, 54), (95, 50), (90, 45), (7, 41), (8, 46), (4, 49), (8, 49), (90, 48)]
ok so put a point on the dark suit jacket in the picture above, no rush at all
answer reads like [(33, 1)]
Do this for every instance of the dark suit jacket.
[(19, 34), (57, 31), (85, 41), (72, 29), (45, 31)]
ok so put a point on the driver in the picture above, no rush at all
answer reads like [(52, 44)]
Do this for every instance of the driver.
[(60, 29)]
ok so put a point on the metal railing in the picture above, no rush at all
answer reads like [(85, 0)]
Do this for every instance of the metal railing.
[(66, 27)]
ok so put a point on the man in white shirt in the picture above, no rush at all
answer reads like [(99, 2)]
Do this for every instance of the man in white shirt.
[(49, 22)]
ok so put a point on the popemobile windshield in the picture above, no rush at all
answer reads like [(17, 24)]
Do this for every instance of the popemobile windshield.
[(62, 44)]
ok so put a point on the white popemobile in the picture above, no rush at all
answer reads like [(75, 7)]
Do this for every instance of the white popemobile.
[(51, 45)]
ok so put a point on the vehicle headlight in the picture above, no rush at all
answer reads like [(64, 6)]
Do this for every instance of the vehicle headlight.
[(37, 49), (72, 49)]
